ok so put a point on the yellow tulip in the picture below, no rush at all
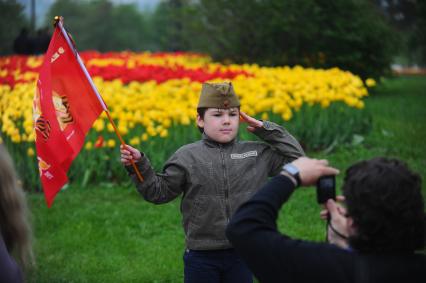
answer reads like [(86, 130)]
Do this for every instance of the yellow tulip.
[(370, 82), (155, 107), (135, 141), (111, 143), (30, 152), (88, 145)]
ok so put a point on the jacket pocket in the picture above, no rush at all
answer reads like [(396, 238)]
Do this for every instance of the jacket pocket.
[(242, 174), (246, 165)]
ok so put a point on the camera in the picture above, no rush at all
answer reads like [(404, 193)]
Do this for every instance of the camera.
[(326, 188)]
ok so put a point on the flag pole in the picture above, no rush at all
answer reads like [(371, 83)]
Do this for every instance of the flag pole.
[(59, 22)]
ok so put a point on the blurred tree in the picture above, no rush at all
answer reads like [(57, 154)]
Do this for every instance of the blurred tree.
[(74, 16), (408, 19), (349, 34), (400, 13), (353, 36), (404, 16), (417, 41), (166, 33), (99, 25), (129, 29), (12, 20), (175, 25), (234, 30)]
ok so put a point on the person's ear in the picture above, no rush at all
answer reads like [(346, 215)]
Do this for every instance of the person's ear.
[(200, 121)]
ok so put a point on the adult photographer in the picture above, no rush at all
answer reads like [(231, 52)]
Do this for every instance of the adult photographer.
[(373, 239)]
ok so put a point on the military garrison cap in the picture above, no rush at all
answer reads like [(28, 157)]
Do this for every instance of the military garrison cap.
[(218, 95)]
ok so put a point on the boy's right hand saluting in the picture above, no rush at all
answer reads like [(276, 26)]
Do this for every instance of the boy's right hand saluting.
[(128, 154), (252, 122)]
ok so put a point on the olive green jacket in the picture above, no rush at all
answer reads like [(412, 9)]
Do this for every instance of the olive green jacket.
[(215, 179)]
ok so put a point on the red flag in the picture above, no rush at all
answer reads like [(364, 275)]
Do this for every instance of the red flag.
[(64, 109)]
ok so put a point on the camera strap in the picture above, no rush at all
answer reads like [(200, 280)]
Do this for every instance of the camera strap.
[(337, 232), (328, 224)]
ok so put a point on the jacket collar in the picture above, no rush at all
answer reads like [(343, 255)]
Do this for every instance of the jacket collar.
[(211, 143)]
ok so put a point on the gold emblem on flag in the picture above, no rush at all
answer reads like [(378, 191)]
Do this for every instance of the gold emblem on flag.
[(62, 109), (40, 123), (42, 166), (56, 55)]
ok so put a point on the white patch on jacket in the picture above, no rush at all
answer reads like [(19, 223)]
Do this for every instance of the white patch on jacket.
[(243, 155)]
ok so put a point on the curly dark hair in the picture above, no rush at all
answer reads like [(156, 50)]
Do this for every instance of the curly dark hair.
[(384, 199)]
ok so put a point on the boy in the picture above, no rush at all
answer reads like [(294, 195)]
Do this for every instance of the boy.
[(215, 175)]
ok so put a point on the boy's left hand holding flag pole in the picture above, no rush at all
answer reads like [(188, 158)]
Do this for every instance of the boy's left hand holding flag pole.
[(66, 105)]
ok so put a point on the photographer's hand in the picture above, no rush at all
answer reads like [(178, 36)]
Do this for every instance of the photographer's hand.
[(324, 214), (311, 169), (338, 226)]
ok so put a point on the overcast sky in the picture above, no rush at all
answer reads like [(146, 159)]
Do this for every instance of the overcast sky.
[(42, 6)]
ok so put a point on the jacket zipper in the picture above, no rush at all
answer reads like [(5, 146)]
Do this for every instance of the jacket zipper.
[(225, 185)]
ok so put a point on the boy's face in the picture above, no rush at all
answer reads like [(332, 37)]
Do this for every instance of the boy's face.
[(221, 125)]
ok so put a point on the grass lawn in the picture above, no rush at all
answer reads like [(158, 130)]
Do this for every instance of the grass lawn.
[(107, 233)]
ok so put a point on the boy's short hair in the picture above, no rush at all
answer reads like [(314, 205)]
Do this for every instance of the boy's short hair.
[(201, 112), (384, 199), (218, 95)]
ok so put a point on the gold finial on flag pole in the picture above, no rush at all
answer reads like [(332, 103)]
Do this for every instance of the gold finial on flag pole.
[(60, 20), (57, 19)]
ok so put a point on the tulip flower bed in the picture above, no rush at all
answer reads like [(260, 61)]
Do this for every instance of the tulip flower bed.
[(153, 96)]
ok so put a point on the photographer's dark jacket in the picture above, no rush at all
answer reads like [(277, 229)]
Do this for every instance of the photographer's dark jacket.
[(274, 257), (215, 179)]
